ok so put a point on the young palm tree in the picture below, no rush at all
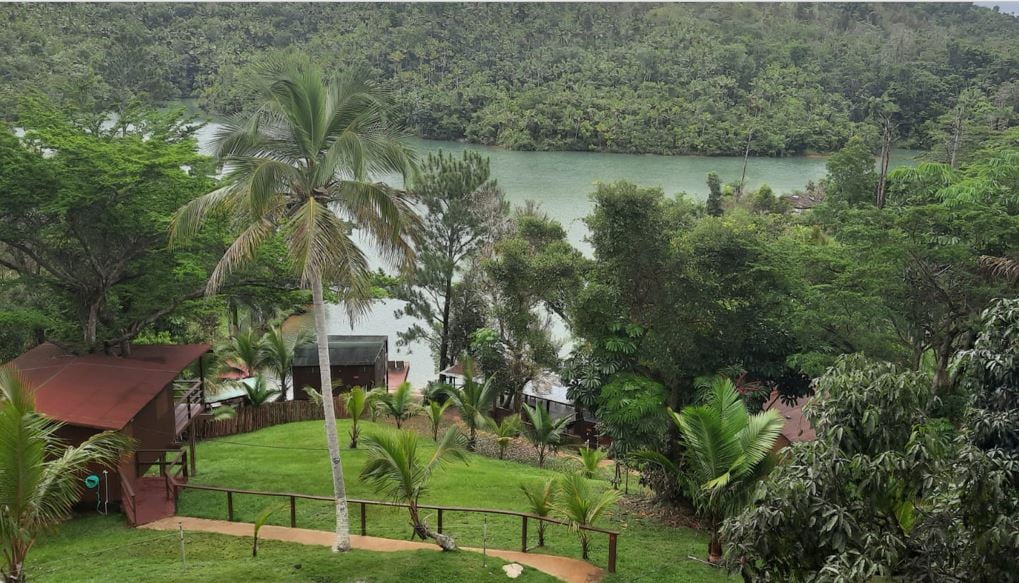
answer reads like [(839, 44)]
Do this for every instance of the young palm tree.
[(241, 355), (580, 505), (540, 499), (504, 432), (727, 451), (40, 478), (278, 353), (357, 403), (590, 458), (395, 470), (434, 412), (473, 400), (259, 394), (300, 168), (399, 404), (542, 431)]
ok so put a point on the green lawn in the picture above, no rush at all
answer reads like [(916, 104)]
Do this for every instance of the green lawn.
[(103, 549), (291, 458)]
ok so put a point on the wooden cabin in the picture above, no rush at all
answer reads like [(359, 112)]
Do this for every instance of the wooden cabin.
[(354, 361), (142, 395), (797, 428)]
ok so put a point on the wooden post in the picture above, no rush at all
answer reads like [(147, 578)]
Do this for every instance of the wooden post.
[(612, 553), (523, 534), (440, 521), (230, 506), (184, 464), (293, 512), (162, 463), (191, 450), (364, 527)]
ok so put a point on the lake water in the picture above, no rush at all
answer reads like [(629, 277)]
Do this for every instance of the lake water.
[(562, 182)]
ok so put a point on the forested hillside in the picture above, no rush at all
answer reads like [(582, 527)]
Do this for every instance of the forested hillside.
[(705, 78)]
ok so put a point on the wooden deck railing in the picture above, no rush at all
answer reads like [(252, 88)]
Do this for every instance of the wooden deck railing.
[(151, 457), (128, 499), (525, 517)]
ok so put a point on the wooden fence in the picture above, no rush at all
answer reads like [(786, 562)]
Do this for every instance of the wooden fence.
[(524, 516), (255, 418)]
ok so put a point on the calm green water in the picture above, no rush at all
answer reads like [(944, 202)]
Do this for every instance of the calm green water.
[(562, 183)]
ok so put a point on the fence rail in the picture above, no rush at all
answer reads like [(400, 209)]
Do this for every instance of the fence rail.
[(293, 497), (250, 419)]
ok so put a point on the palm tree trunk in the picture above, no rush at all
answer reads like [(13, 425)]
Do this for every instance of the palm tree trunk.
[(332, 439)]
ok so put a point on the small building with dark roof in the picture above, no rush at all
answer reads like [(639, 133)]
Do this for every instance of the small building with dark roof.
[(143, 396), (354, 361)]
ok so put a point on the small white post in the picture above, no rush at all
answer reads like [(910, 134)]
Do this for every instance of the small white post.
[(180, 535), (484, 544), (106, 502)]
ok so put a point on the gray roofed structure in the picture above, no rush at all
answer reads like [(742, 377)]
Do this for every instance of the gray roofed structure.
[(344, 351)]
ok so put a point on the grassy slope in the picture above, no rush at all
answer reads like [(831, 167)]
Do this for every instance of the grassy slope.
[(647, 550), (93, 549)]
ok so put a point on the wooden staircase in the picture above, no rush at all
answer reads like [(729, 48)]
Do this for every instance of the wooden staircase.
[(153, 497)]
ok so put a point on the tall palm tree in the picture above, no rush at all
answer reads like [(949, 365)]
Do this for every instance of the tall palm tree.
[(241, 355), (399, 404), (473, 400), (542, 431), (581, 505), (299, 169), (727, 451), (278, 353), (40, 477), (395, 469)]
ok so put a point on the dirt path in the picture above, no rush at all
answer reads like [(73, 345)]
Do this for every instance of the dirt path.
[(569, 570)]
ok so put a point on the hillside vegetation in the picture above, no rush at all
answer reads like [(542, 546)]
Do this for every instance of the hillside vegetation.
[(705, 78)]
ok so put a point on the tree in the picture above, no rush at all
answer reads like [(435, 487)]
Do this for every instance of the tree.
[(434, 412), (540, 501), (590, 458), (357, 403), (242, 354), (473, 401), (399, 404), (728, 451), (278, 354), (863, 483), (259, 394), (83, 217), (40, 476), (580, 505), (301, 166), (504, 431), (714, 203), (465, 214), (631, 411), (395, 469), (542, 431), (851, 177)]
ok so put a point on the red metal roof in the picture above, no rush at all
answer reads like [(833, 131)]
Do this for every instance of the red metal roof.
[(796, 427), (99, 390)]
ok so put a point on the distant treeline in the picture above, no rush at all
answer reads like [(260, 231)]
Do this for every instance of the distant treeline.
[(705, 78)]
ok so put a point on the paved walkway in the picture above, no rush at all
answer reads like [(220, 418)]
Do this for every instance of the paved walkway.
[(569, 570)]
